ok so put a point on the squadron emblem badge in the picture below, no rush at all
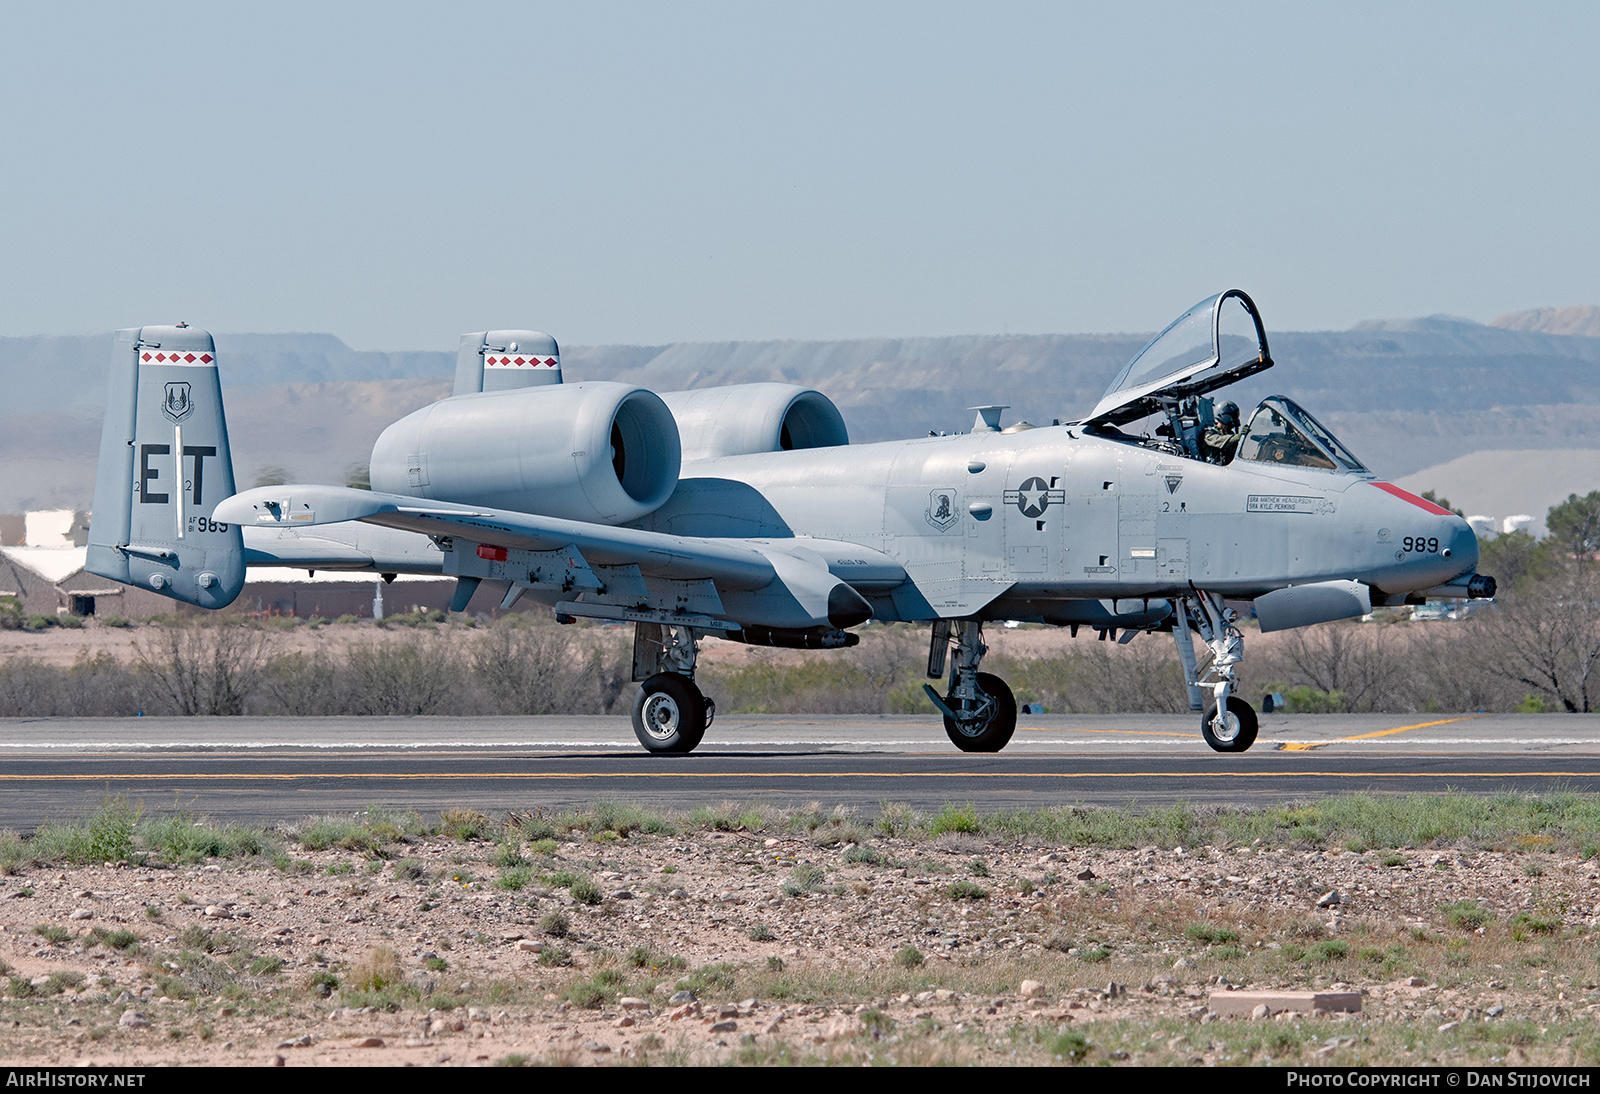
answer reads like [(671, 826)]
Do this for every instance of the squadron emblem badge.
[(941, 512), (177, 405)]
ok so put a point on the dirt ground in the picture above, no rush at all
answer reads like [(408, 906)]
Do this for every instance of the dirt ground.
[(844, 945)]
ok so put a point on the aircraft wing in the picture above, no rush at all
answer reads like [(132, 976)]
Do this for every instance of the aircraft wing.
[(784, 583)]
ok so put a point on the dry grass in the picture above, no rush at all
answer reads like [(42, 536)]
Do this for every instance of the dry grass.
[(378, 968)]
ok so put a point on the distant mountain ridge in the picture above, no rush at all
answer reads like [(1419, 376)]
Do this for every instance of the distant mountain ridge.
[(1583, 320), (1404, 394)]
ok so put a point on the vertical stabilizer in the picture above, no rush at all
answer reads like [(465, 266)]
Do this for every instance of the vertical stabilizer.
[(500, 360), (164, 466)]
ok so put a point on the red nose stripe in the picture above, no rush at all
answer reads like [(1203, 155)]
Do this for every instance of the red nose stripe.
[(1421, 503)]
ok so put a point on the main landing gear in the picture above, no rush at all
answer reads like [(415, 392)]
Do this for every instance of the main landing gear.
[(670, 713), (980, 713), (1228, 723)]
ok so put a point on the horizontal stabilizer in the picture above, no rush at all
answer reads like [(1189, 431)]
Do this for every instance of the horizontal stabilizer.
[(731, 564)]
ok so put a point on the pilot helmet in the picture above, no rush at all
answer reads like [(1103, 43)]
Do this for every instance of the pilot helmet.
[(1228, 414)]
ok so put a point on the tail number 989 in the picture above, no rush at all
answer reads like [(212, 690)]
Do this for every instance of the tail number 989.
[(1420, 543)]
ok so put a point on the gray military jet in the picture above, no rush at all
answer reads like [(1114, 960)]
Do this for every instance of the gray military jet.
[(744, 512)]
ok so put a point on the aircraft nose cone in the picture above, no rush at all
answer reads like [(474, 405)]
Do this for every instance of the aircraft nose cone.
[(1463, 543), (846, 607)]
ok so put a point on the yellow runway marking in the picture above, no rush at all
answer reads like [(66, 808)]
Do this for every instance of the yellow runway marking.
[(572, 775), (1307, 746)]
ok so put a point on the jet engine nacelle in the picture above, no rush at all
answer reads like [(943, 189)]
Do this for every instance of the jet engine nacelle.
[(601, 452), (742, 419)]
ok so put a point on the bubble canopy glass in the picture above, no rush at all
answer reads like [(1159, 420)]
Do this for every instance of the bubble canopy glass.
[(1282, 432), (1216, 342)]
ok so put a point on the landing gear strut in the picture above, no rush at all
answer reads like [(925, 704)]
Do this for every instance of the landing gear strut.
[(980, 713), (1228, 723), (670, 713)]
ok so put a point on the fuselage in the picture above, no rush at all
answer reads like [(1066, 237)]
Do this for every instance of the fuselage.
[(1004, 524)]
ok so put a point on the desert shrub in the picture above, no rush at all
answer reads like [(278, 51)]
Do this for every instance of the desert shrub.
[(514, 879), (344, 833), (861, 854), (106, 835), (14, 853), (1205, 932), (181, 838), (462, 824), (805, 879), (1468, 915), (587, 994), (1524, 925), (547, 670), (414, 674), (304, 685), (1329, 949), (951, 819), (205, 667), (1072, 1046), (123, 940), (56, 936), (908, 957), (377, 969), (879, 676)]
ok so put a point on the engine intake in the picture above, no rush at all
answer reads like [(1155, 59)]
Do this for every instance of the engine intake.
[(746, 418), (601, 452)]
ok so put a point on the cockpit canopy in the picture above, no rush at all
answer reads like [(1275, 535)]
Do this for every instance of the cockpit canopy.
[(1282, 433), (1216, 342)]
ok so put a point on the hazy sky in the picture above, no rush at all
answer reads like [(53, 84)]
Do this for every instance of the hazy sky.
[(399, 173)]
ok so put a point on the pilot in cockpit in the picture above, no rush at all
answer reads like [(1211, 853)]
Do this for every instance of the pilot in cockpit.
[(1221, 441)]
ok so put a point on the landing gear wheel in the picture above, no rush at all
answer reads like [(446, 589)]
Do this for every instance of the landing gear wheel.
[(996, 720), (1234, 731), (669, 714)]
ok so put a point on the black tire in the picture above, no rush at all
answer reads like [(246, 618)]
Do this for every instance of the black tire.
[(669, 714), (1239, 733), (995, 729)]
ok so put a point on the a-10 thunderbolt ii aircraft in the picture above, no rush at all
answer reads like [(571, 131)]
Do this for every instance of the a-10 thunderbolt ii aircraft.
[(744, 512)]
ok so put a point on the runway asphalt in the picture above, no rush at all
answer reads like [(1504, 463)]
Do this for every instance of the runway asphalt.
[(266, 770)]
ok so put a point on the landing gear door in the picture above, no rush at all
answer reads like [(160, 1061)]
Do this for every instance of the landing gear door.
[(1215, 343)]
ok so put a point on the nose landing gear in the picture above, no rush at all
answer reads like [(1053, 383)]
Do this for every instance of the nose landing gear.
[(980, 713), (1232, 731), (1229, 723)]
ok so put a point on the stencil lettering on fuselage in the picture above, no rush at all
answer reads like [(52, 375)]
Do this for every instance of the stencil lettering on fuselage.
[(1287, 503)]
